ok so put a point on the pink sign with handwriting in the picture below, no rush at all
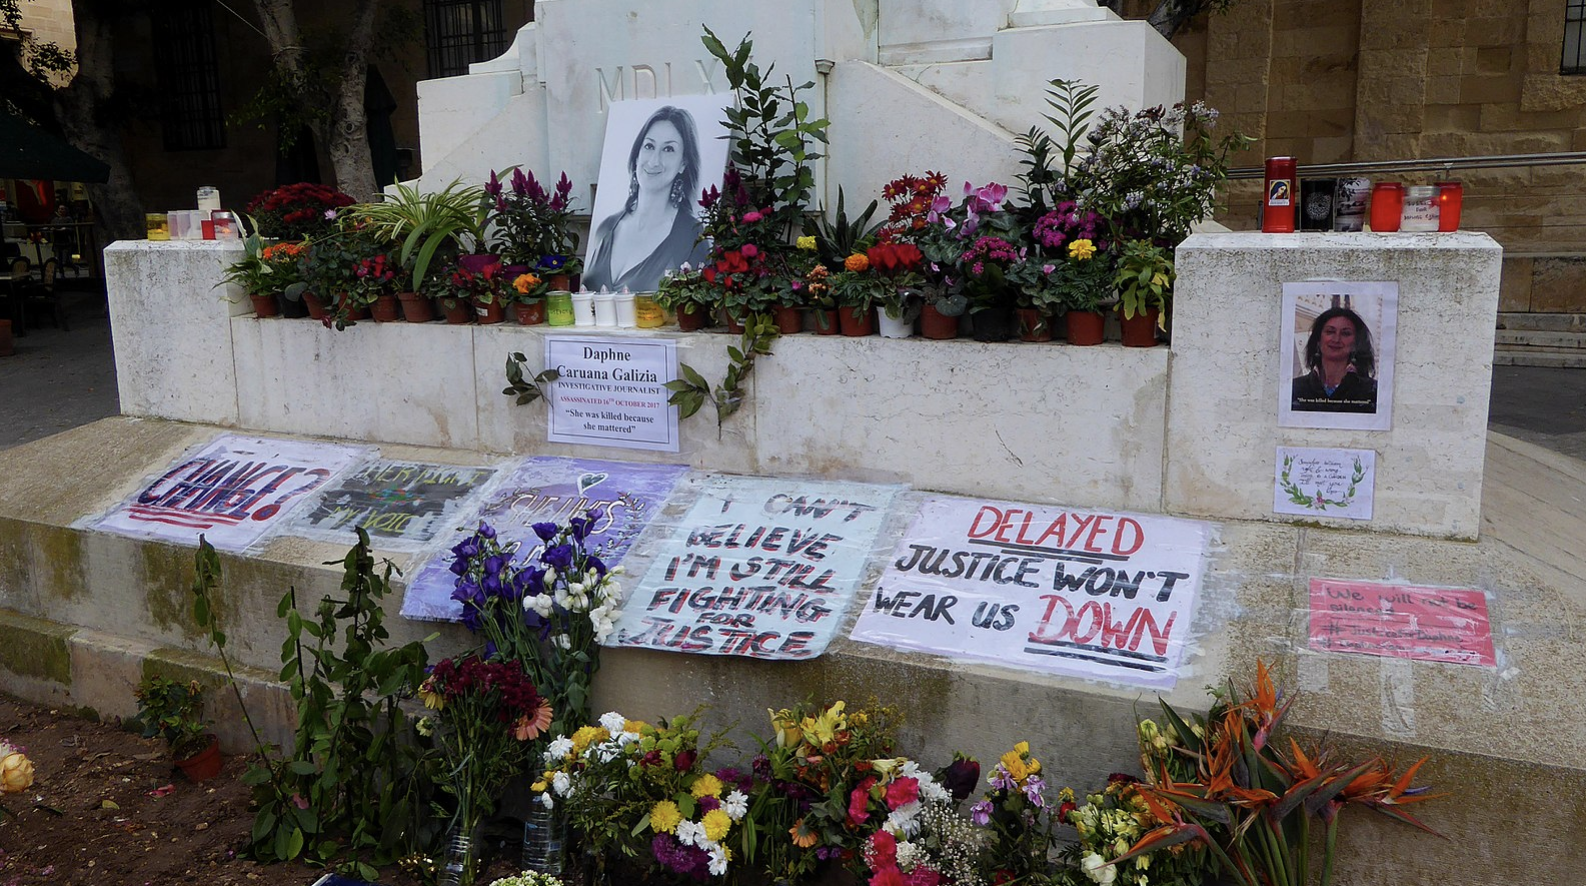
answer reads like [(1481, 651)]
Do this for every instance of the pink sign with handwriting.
[(1402, 621)]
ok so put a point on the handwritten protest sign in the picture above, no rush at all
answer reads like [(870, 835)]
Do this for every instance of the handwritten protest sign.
[(1089, 594), (1324, 482), (1401, 621), (233, 490), (401, 504), (759, 568), (612, 392), (547, 488)]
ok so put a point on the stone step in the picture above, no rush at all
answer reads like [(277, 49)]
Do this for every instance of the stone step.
[(1529, 338), (1515, 320), (1557, 358)]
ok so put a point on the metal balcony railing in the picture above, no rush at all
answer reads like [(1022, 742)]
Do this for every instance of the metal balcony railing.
[(1433, 164)]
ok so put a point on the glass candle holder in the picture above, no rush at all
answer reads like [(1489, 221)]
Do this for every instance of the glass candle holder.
[(559, 309), (1387, 206), (157, 226), (1420, 209), (1450, 197)]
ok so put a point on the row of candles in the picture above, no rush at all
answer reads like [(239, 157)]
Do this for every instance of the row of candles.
[(1393, 206)]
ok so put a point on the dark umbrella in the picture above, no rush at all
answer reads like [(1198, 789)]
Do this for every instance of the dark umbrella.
[(29, 152)]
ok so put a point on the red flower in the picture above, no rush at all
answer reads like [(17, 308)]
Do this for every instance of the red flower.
[(889, 876), (883, 850), (858, 799), (902, 791)]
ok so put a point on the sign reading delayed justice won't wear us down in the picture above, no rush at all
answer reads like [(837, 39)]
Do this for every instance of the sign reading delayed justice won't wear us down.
[(758, 568), (1087, 594)]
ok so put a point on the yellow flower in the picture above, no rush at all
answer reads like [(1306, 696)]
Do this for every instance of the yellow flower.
[(635, 726), (788, 733), (1081, 249), (538, 787), (803, 835), (432, 700), (706, 785), (717, 823), (1013, 761), (587, 735), (857, 262), (16, 773), (824, 728), (664, 817), (806, 243)]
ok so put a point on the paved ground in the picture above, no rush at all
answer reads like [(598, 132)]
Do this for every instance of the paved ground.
[(59, 380)]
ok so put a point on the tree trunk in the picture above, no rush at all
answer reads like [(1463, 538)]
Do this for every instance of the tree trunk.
[(349, 134), (83, 109)]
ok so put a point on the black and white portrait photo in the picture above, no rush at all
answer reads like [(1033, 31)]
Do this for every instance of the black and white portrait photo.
[(659, 155), (1337, 350)]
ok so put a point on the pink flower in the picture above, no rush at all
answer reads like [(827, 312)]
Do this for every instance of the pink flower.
[(752, 216), (750, 250), (858, 799), (902, 791)]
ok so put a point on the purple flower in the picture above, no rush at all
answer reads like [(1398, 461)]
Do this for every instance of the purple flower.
[(493, 187), (560, 556), (1032, 790), (520, 184), (960, 777), (546, 531), (980, 813)]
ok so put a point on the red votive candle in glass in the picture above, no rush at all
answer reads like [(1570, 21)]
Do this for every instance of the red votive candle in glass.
[(1279, 201), (1387, 207), (1450, 197)]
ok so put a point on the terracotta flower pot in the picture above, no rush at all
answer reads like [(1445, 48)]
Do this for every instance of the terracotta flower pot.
[(992, 324), (937, 325), (291, 308), (1139, 331), (826, 322), (415, 308), (493, 312), (457, 311), (789, 319), (385, 309), (357, 312), (316, 307), (734, 321), (1084, 327), (531, 314), (204, 764), (1034, 325), (690, 318), (560, 282), (264, 305), (856, 322)]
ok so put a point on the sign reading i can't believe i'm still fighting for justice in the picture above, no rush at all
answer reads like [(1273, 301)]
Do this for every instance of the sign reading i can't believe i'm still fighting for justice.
[(1088, 594), (612, 392)]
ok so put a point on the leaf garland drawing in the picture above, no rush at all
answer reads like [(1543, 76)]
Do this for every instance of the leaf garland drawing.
[(1318, 502)]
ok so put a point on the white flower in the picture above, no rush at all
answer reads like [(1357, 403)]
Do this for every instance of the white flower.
[(550, 575), (718, 861), (1097, 869), (559, 750), (607, 751), (691, 833), (736, 805), (613, 722), (564, 641), (909, 855), (546, 801), (904, 820), (617, 570), (576, 587), (561, 784), (626, 738)]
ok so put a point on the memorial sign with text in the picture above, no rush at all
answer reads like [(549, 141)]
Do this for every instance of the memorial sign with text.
[(759, 568), (612, 392), (401, 504), (1401, 621), (1084, 593)]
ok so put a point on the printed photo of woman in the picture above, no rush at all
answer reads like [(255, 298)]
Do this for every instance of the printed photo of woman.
[(1335, 355), (1340, 366), (653, 229)]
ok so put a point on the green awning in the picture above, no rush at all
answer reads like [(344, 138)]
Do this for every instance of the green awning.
[(29, 152)]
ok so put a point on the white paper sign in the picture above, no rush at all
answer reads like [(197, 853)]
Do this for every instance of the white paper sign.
[(232, 490), (759, 568), (1324, 482), (612, 392), (1084, 593), (1335, 362)]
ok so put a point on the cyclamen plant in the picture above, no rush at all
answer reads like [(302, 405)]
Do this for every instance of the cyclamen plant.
[(549, 606)]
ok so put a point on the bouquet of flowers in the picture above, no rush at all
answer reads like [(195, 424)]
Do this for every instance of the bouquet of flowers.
[(293, 212), (1110, 822), (819, 782), (549, 606), (485, 715), (1252, 803), (1017, 816), (642, 790), (535, 225)]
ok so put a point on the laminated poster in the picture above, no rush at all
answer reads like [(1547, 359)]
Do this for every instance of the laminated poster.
[(759, 568), (1088, 594), (1324, 482), (403, 505), (549, 489), (233, 491), (1401, 621)]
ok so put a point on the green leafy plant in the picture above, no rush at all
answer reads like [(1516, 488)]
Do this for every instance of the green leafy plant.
[(691, 392), (526, 387), (1144, 278), (350, 788), (839, 238), (449, 221), (251, 272), (687, 288), (174, 711)]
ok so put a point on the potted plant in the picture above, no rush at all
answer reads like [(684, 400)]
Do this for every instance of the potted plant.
[(336, 293), (466, 295), (534, 227), (1144, 278), (686, 293), (857, 290), (897, 265), (252, 274), (1084, 282), (284, 261), (174, 710), (297, 211), (430, 227), (922, 215), (372, 287), (527, 296)]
